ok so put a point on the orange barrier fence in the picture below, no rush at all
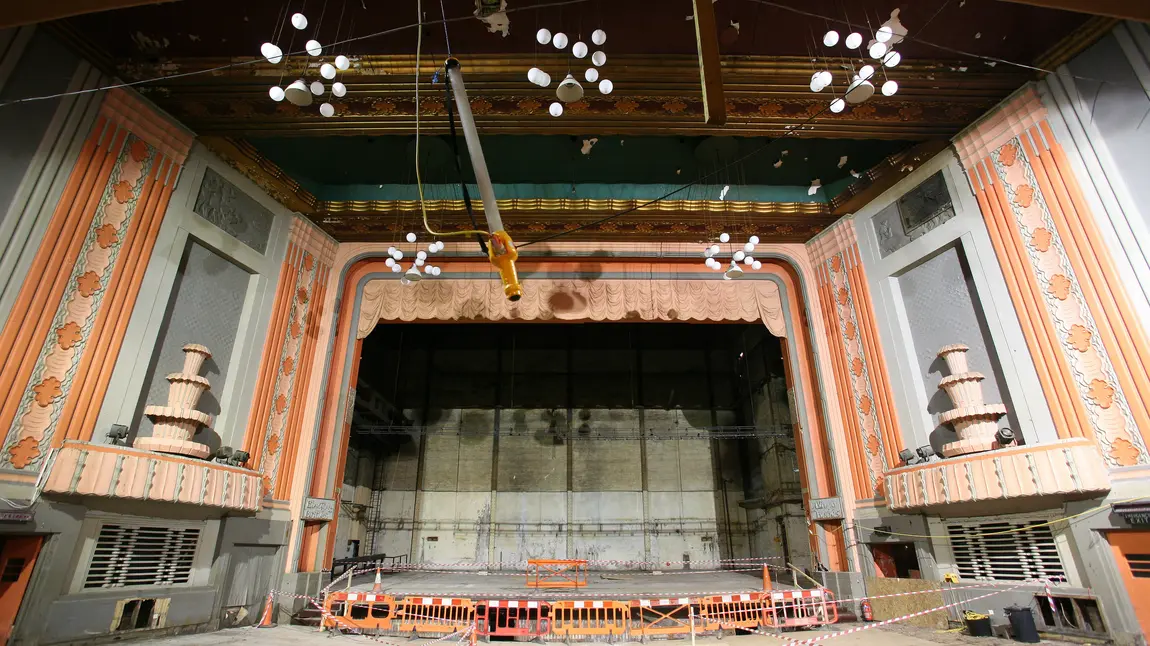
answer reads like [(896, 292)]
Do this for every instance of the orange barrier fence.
[(511, 618), (802, 608), (556, 573), (731, 611), (589, 618), (373, 612), (437, 615)]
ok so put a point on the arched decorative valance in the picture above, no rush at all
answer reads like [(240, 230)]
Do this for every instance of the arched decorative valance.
[(570, 299)]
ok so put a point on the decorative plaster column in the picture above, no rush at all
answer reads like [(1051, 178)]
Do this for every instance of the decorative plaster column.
[(860, 368), (1087, 346), (68, 323)]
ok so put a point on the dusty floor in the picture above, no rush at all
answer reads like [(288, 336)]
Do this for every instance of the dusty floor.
[(292, 635)]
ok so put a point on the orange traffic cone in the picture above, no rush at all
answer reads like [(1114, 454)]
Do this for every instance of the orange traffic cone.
[(266, 618), (378, 587)]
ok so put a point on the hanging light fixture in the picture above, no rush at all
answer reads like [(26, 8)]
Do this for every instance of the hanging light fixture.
[(297, 93)]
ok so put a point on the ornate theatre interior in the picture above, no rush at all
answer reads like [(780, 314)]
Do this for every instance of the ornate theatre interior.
[(849, 296)]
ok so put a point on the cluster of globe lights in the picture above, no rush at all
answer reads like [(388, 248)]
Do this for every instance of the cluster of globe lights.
[(299, 92), (569, 89), (711, 253), (413, 274), (861, 88)]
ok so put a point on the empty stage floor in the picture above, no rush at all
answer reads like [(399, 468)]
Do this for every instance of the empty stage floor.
[(600, 585)]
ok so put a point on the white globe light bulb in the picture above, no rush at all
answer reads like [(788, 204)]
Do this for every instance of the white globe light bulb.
[(826, 77), (313, 47), (756, 265), (556, 109), (754, 239), (606, 86), (831, 38), (410, 237), (747, 260), (327, 109), (299, 21), (342, 62), (889, 88), (714, 250), (391, 251), (276, 93), (883, 34), (395, 269), (398, 255), (419, 262), (438, 270), (272, 53), (817, 82), (724, 237), (545, 80), (838, 105), (591, 75), (389, 262), (433, 247), (739, 255), (707, 253), (422, 255), (599, 59), (892, 59), (748, 247), (338, 89), (560, 40), (878, 50), (854, 40), (598, 36), (579, 49), (533, 75), (866, 72), (316, 88), (327, 70), (543, 36), (440, 244)]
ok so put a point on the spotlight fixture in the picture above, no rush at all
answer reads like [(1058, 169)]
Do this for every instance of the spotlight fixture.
[(907, 456), (1004, 437), (925, 452), (118, 433)]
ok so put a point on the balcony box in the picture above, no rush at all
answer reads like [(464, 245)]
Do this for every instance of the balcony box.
[(1011, 480)]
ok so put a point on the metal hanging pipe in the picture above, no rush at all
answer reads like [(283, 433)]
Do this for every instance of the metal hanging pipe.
[(501, 249)]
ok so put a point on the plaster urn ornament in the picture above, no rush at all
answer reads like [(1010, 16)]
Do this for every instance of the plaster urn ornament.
[(975, 421), (174, 424)]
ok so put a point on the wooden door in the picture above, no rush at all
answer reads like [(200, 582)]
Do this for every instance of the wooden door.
[(1132, 551), (17, 558)]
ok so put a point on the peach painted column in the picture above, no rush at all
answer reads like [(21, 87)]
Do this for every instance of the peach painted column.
[(59, 346), (865, 398), (276, 420), (1091, 356)]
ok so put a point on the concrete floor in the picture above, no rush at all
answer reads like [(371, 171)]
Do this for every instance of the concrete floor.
[(293, 635), (601, 585)]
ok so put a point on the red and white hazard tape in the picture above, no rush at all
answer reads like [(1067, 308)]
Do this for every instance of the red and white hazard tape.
[(886, 622), (482, 565)]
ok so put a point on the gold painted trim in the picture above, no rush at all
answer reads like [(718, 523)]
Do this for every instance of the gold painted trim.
[(579, 206), (1076, 42)]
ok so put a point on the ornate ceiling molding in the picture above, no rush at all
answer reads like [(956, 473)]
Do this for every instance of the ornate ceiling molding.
[(654, 95)]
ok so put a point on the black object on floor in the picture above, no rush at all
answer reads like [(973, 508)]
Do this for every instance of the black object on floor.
[(979, 627), (1022, 624)]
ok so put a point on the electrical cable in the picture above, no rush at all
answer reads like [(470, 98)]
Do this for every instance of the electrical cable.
[(418, 175)]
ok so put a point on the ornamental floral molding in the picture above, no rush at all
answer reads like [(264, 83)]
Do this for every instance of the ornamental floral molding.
[(52, 377), (859, 375), (1091, 367)]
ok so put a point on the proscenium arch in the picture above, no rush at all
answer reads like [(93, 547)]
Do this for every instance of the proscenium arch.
[(315, 545)]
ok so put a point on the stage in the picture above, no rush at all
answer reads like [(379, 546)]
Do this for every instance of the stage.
[(600, 585)]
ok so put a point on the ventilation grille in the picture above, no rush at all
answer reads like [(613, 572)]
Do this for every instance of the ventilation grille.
[(135, 556), (982, 551), (1139, 565)]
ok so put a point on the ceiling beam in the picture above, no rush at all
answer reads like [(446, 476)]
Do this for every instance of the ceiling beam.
[(710, 73), (28, 13), (1125, 9), (885, 175)]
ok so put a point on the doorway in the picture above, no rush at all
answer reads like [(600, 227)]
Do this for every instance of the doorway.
[(1132, 552), (17, 558), (896, 560)]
